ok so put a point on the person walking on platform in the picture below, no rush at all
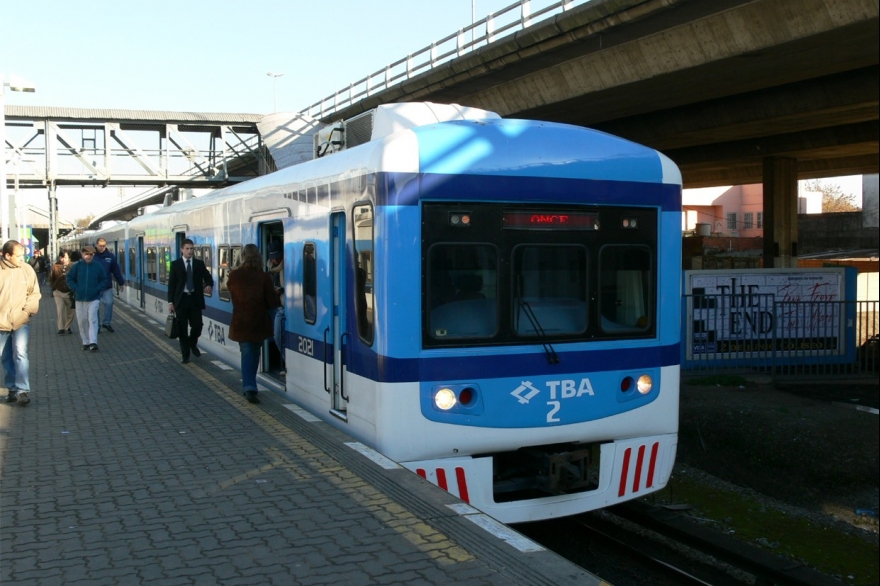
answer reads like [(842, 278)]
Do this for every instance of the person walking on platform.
[(88, 280), (19, 301), (253, 300), (275, 268), (62, 293), (39, 263), (188, 283), (108, 260)]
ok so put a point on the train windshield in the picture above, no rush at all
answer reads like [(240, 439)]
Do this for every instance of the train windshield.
[(488, 280), (550, 289)]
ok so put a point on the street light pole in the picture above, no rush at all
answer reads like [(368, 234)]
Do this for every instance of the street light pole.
[(6, 207), (275, 77)]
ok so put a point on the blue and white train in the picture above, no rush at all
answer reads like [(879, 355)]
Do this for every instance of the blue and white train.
[(491, 303)]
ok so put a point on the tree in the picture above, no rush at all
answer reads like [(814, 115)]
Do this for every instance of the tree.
[(834, 199), (84, 222)]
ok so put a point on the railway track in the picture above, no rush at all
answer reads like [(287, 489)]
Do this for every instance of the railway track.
[(637, 544)]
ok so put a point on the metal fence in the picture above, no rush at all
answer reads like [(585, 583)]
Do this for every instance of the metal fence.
[(760, 334)]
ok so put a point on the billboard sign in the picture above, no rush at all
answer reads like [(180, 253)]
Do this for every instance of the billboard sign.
[(730, 313)]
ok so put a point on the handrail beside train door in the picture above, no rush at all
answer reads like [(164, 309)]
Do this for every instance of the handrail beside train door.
[(343, 352), (326, 386), (140, 272)]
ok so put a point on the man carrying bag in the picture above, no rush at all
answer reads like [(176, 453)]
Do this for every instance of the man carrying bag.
[(171, 329)]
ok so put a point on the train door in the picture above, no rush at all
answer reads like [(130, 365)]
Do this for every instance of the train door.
[(139, 273), (271, 241), (113, 246), (339, 336)]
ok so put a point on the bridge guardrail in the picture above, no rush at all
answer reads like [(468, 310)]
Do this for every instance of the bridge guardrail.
[(508, 20)]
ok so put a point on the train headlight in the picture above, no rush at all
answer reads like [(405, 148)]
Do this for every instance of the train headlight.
[(644, 384), (444, 399), (453, 399)]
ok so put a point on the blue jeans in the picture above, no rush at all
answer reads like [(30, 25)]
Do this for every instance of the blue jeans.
[(15, 359), (107, 304), (250, 362)]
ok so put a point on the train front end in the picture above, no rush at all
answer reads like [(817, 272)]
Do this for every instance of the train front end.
[(548, 359)]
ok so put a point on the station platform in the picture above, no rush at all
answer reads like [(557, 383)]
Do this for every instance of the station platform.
[(128, 467)]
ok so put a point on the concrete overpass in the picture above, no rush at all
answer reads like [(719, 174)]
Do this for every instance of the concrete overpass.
[(734, 91), (718, 86)]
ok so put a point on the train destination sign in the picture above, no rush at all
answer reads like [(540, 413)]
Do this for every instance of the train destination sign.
[(549, 220)]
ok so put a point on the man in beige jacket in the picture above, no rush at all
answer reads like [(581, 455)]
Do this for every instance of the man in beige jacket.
[(19, 300)]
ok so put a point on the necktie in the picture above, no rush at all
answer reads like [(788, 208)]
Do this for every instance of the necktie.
[(189, 277)]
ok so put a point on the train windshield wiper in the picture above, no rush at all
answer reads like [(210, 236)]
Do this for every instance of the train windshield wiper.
[(552, 357)]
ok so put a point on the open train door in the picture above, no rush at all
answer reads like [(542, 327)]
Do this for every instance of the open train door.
[(339, 336), (139, 272)]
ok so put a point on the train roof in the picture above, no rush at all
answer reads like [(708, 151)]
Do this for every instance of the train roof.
[(486, 147)]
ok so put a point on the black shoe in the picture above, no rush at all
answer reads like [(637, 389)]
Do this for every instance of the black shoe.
[(61, 332), (109, 328), (11, 397), (69, 331), (85, 346), (196, 352), (252, 397), (93, 347), (184, 360)]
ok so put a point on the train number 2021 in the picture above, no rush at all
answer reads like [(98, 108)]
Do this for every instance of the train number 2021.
[(306, 346)]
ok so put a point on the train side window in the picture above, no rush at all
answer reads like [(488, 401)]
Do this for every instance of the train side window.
[(364, 279), (625, 283), (132, 262), (120, 259), (550, 290), (462, 291), (310, 279), (151, 263), (197, 252), (206, 257), (223, 273), (164, 262)]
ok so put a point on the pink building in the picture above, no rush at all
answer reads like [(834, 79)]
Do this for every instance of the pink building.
[(734, 211)]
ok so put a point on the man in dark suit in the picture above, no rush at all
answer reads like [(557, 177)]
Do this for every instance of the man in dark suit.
[(188, 283)]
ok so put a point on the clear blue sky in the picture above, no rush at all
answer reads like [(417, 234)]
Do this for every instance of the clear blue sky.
[(191, 55)]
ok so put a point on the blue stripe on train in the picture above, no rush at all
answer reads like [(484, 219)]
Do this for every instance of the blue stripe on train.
[(407, 190), (513, 362)]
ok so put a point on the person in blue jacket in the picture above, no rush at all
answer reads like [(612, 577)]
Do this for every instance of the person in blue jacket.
[(108, 260), (88, 280)]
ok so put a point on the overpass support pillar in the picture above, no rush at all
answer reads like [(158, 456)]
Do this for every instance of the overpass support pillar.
[(780, 212)]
